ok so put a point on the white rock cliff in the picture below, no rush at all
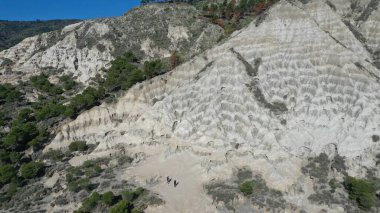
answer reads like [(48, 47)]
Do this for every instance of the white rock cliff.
[(299, 81)]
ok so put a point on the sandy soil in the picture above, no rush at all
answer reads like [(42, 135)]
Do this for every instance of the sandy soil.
[(184, 167)]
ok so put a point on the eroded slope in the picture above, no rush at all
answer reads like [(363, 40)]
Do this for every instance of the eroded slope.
[(274, 95), (82, 49)]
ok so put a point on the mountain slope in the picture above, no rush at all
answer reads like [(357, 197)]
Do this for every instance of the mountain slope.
[(82, 49), (295, 83), (13, 32)]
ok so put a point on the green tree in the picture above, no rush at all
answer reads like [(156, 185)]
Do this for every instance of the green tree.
[(152, 68), (78, 146), (20, 135), (361, 191), (7, 172), (32, 170), (9, 93), (42, 83), (91, 202), (49, 110), (246, 188), (122, 206), (108, 198)]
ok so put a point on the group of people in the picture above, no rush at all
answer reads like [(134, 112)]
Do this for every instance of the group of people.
[(168, 180)]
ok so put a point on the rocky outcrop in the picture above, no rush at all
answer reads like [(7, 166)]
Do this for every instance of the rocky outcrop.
[(82, 49), (300, 83)]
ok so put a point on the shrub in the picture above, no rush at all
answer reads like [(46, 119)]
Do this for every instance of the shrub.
[(333, 185), (132, 195), (246, 188), (73, 173), (90, 97), (122, 206), (361, 191), (42, 83), (54, 155), (7, 172), (50, 110), (68, 82), (37, 142), (9, 93), (20, 135), (91, 202), (93, 171), (78, 146), (4, 157), (135, 76), (122, 74), (80, 184), (108, 198), (32, 170), (128, 195), (15, 157), (12, 189), (152, 68)]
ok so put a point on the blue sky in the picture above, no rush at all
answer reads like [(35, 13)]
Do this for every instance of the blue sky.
[(63, 9)]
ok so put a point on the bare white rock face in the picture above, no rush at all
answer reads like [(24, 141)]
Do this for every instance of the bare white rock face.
[(293, 84), (83, 49)]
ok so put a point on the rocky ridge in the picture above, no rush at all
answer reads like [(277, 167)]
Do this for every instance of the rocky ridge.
[(83, 49)]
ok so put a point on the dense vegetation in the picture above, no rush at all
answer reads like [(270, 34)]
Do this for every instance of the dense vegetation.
[(26, 125), (123, 203), (363, 192), (13, 32)]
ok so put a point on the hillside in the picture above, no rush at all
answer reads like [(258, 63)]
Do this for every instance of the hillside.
[(13, 32), (280, 116), (155, 31)]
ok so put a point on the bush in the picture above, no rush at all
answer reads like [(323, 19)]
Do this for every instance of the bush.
[(68, 82), (78, 146), (9, 93), (246, 188), (122, 74), (12, 189), (132, 195), (361, 191), (7, 172), (80, 184), (135, 77), (32, 170), (122, 206), (20, 135), (37, 142), (152, 68), (108, 198), (91, 202), (42, 83), (333, 185), (90, 97), (54, 155), (50, 110), (15, 157)]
